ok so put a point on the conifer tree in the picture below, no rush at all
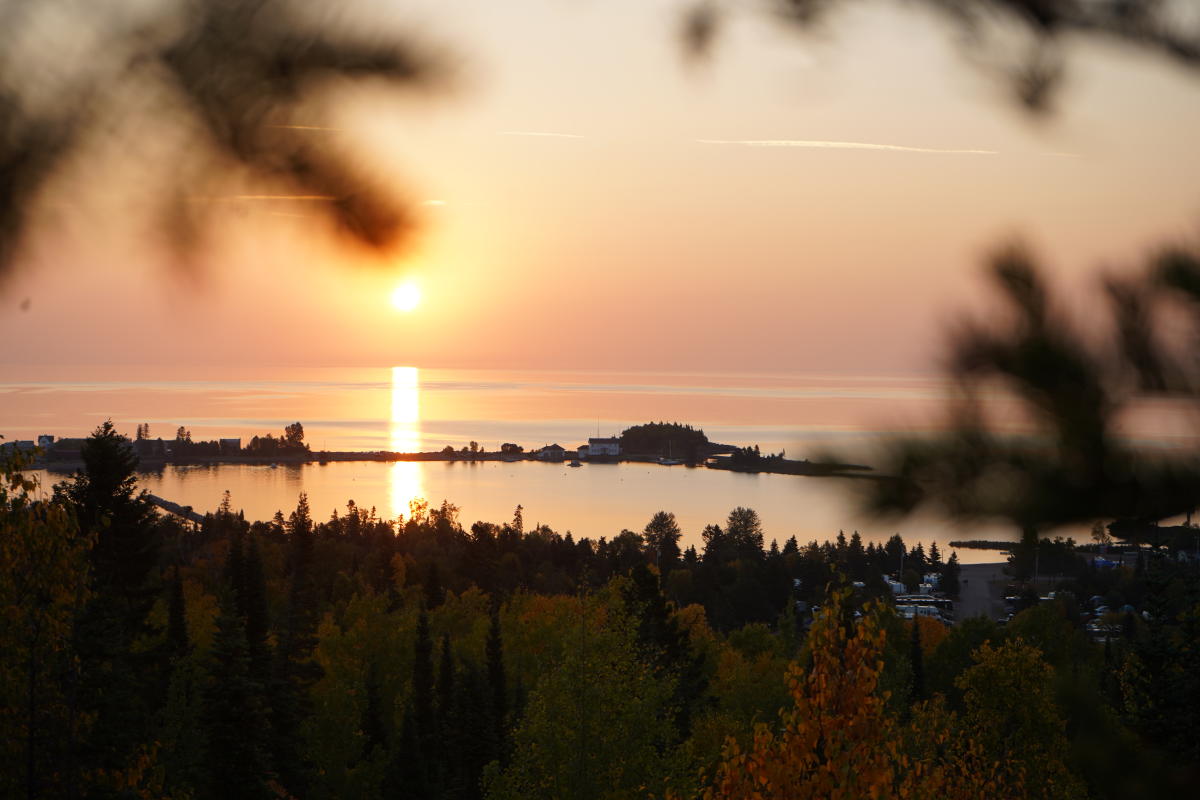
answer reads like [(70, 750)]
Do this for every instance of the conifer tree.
[(917, 558), (111, 686), (445, 683), (406, 773), (253, 595), (894, 551), (856, 558), (950, 581), (497, 681), (447, 745), (435, 593), (935, 558), (374, 728), (235, 720), (43, 585), (107, 504), (233, 572), (475, 745), (294, 671), (183, 729), (423, 686), (177, 633)]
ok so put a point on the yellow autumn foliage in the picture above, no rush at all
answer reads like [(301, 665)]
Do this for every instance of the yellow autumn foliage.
[(838, 740)]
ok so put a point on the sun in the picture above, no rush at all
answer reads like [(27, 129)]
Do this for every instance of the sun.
[(406, 297)]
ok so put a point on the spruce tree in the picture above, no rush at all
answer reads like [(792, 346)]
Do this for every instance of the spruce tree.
[(856, 558), (949, 582), (374, 726), (406, 775), (294, 670), (475, 745), (253, 597), (233, 572), (177, 633), (497, 681), (413, 767), (182, 730), (108, 504), (917, 558), (115, 684), (435, 593), (446, 747), (235, 720), (423, 686), (445, 683)]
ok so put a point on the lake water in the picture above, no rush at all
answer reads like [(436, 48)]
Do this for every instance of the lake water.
[(406, 408), (410, 409), (593, 500)]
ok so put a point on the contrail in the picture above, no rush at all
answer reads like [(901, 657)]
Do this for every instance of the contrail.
[(235, 197), (305, 128), (541, 133), (822, 145)]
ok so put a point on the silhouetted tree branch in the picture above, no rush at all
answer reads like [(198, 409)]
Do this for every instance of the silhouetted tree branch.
[(1074, 463), (236, 81), (1018, 40)]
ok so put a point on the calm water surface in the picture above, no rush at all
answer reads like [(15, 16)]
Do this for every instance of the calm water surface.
[(409, 409), (593, 500), (406, 408)]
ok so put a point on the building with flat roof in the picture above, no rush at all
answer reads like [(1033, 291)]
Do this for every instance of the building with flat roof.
[(603, 446)]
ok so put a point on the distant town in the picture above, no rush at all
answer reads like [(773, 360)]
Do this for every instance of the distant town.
[(667, 444)]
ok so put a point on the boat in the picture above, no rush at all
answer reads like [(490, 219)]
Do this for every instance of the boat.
[(575, 463), (669, 459)]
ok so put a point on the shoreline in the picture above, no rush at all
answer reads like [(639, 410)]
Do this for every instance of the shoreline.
[(804, 468)]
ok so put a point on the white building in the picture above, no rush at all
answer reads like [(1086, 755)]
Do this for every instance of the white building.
[(603, 447), (910, 611)]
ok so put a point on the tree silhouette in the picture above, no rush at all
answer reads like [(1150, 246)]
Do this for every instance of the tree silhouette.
[(662, 535), (1017, 41), (235, 719), (1075, 466), (108, 504), (239, 86), (497, 680), (44, 564)]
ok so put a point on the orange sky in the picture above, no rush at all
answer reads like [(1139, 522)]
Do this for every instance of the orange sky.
[(660, 232)]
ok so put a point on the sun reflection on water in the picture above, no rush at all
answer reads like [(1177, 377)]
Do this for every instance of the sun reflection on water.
[(404, 477)]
